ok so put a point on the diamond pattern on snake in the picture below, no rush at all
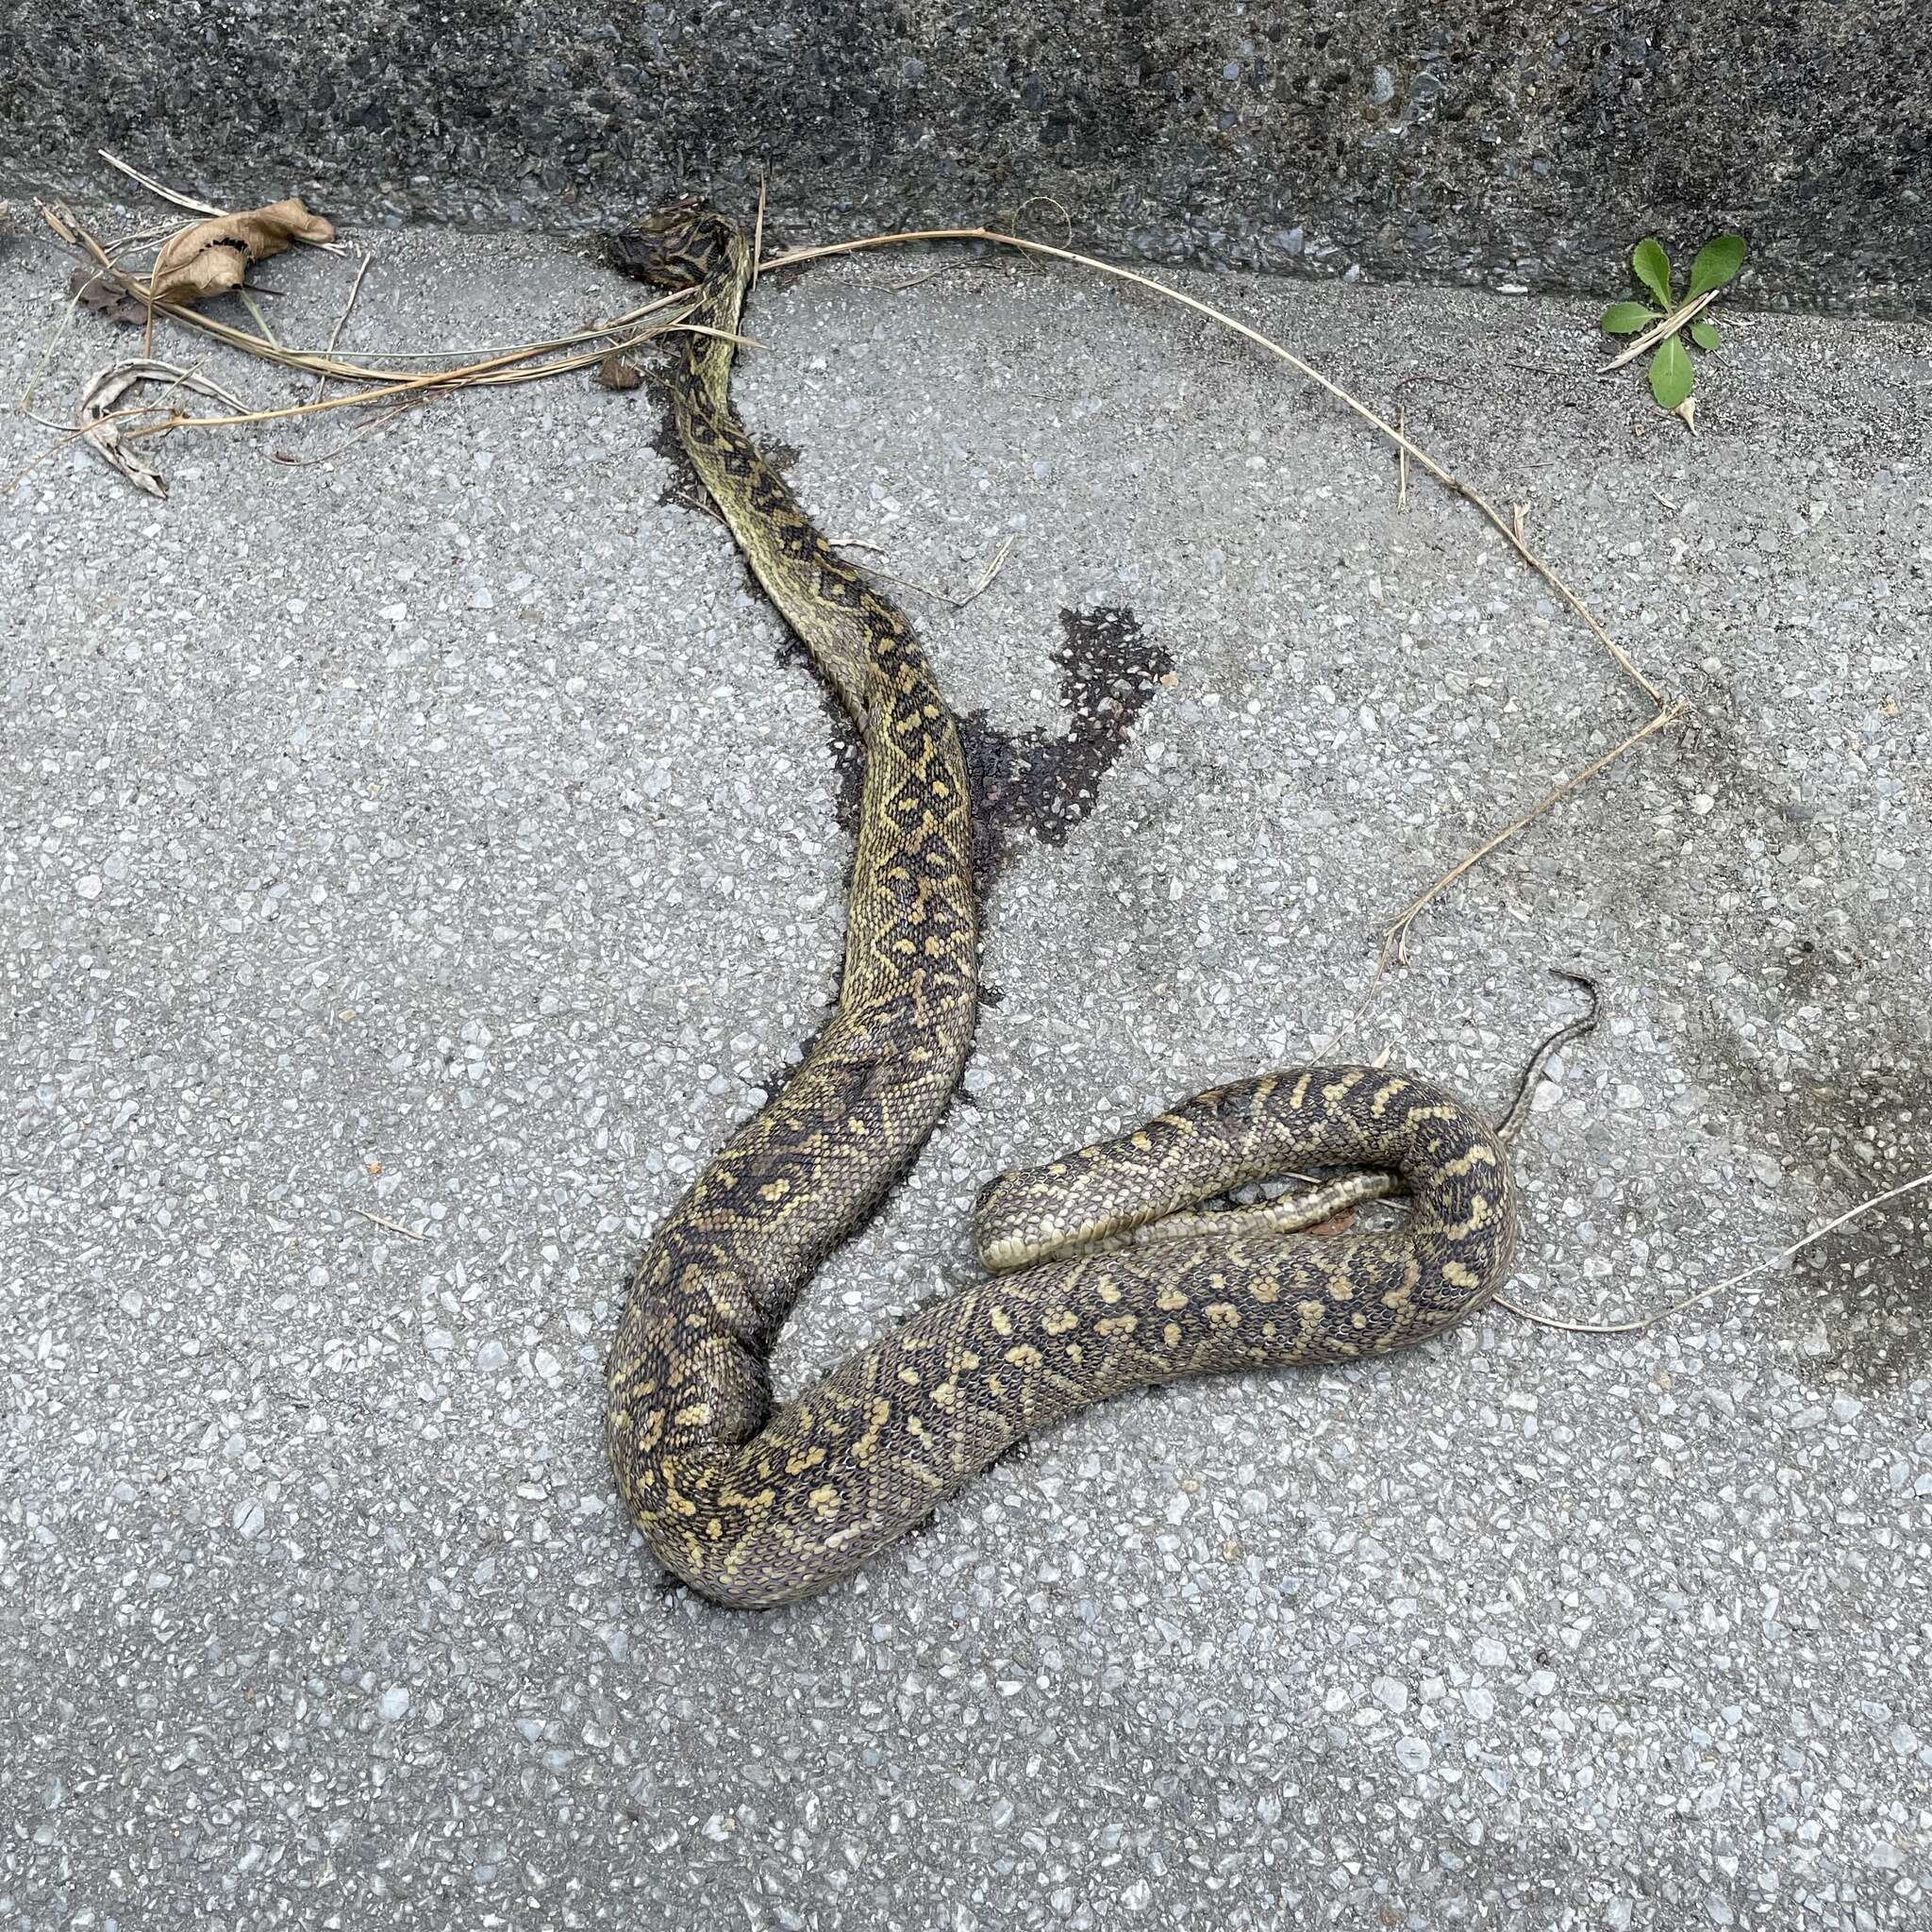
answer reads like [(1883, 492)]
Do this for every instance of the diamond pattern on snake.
[(1105, 1270)]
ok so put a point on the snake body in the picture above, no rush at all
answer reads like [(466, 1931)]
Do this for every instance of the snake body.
[(755, 1504)]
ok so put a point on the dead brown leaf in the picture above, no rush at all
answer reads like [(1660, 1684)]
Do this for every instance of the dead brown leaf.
[(212, 257), (100, 418), (619, 371), (97, 290)]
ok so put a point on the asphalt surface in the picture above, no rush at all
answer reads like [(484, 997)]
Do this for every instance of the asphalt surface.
[(431, 835)]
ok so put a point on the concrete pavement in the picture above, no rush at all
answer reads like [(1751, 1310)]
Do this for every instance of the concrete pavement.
[(428, 834)]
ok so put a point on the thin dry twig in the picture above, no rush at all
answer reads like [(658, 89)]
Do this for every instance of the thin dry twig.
[(64, 437), (393, 1226), (1690, 1301), (626, 330), (1418, 457), (1679, 318), (1360, 1009), (991, 570), (335, 335), (1058, 207), (931, 275), (383, 385), (61, 325), (958, 599), (249, 302), (188, 201), (483, 374), (155, 187), (1396, 940), (387, 421)]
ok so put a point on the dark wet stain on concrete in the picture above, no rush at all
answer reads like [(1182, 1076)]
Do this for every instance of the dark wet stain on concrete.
[(1028, 782), (1033, 783), (683, 491), (1854, 1119)]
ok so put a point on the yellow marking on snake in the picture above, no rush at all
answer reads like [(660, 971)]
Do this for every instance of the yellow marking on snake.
[(1384, 1094), (723, 1482)]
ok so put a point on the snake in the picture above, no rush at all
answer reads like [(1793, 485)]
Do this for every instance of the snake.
[(1120, 1265)]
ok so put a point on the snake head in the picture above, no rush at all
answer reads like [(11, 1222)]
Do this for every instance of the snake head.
[(681, 245)]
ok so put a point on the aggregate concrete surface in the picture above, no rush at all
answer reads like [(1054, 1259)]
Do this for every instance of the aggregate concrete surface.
[(427, 832), (1489, 142)]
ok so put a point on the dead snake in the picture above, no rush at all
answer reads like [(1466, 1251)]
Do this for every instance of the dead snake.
[(755, 1504)]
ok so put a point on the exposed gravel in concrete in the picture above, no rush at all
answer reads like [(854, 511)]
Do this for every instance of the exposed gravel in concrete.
[(1497, 144), (431, 834)]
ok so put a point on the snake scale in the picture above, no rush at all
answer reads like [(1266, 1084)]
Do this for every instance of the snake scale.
[(755, 1504)]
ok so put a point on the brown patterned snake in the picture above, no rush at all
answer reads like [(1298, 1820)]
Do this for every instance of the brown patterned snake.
[(753, 1505)]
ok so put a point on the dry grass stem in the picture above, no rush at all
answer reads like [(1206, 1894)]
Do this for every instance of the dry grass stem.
[(1058, 207), (64, 437), (628, 330), (929, 274), (388, 420), (1359, 1012), (155, 187), (1267, 345), (335, 335), (247, 300), (958, 599), (1678, 319), (1690, 1301), (484, 374), (991, 570), (187, 202), (393, 1226), (1396, 940)]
